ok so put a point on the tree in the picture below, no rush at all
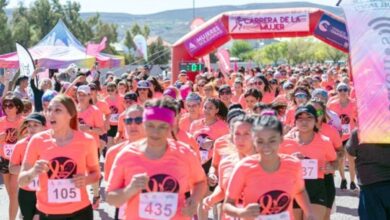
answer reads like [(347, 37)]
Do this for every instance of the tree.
[(21, 31), (334, 54), (6, 42), (240, 49), (158, 53)]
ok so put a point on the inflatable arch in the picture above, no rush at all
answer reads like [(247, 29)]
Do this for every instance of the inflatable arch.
[(259, 24)]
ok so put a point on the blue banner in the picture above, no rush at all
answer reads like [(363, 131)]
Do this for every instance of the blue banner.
[(332, 31)]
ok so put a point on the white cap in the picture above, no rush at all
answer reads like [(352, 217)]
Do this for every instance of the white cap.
[(84, 89)]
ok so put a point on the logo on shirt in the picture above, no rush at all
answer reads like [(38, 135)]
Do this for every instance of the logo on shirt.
[(114, 109), (274, 202), (345, 119), (81, 121), (201, 139), (162, 183), (62, 168), (11, 136)]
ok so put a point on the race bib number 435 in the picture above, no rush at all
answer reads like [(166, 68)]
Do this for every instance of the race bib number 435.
[(62, 191), (158, 205)]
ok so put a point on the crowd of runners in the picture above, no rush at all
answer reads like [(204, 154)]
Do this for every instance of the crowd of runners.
[(261, 143)]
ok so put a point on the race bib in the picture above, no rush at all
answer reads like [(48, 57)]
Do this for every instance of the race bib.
[(62, 191), (34, 184), (8, 149), (310, 169), (122, 211), (280, 216), (158, 205), (204, 156), (345, 129), (114, 118)]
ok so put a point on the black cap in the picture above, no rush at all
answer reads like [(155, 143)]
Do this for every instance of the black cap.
[(309, 109), (234, 113), (224, 88), (131, 96), (37, 118)]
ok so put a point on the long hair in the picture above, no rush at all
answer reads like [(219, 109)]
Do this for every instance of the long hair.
[(70, 107)]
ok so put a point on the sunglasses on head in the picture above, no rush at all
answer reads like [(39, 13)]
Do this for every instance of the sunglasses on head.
[(320, 112), (343, 90), (8, 105), (136, 120)]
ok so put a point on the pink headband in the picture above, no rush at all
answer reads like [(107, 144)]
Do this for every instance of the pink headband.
[(160, 114)]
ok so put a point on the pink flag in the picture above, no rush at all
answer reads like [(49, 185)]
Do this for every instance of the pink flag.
[(206, 61), (224, 60), (95, 49), (235, 66), (249, 65)]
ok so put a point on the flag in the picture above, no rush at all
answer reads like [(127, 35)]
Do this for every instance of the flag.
[(368, 24), (235, 68), (141, 47), (95, 49), (26, 63), (224, 60), (206, 61)]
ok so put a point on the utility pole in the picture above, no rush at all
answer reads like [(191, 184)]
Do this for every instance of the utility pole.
[(339, 2), (193, 9)]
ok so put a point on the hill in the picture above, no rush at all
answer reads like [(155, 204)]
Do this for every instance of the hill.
[(173, 24)]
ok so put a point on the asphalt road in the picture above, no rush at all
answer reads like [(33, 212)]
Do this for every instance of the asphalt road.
[(346, 203)]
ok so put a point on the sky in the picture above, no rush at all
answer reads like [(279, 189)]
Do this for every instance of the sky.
[(153, 6)]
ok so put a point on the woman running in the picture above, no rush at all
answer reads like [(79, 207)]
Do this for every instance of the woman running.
[(267, 182), (65, 160), (157, 177), (27, 199)]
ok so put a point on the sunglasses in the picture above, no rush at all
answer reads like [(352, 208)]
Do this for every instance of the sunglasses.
[(10, 106), (225, 93), (273, 83), (200, 85), (136, 120), (343, 90), (110, 90), (257, 83), (301, 96), (143, 89)]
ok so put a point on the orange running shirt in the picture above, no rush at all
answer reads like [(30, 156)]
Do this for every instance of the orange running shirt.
[(11, 135), (176, 172), (332, 133), (92, 117), (218, 153), (274, 192), (203, 133), (347, 114), (77, 157), (111, 154), (116, 107), (17, 159), (320, 149)]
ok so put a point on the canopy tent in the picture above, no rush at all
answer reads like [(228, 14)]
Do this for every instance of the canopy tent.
[(259, 24), (60, 48)]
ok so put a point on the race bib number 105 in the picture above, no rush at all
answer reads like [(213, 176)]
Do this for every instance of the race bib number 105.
[(158, 205), (63, 191)]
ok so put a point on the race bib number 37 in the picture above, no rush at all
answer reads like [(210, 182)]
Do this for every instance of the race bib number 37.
[(310, 169), (158, 205), (63, 191)]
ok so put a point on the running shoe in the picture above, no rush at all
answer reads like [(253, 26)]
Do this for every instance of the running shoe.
[(352, 186), (343, 184), (95, 202)]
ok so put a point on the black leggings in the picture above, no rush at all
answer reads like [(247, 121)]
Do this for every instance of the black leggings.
[(27, 201), (83, 214)]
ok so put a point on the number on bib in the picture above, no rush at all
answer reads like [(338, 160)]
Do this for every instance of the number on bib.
[(63, 191), (346, 129), (204, 156), (8, 149), (158, 205), (34, 184), (310, 169), (114, 118), (280, 216)]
